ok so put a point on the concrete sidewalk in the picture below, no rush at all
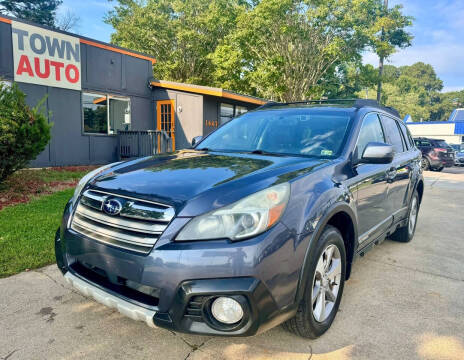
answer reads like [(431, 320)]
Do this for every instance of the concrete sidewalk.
[(403, 301)]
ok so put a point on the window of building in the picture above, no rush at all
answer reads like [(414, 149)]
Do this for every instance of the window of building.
[(229, 111), (226, 113), (101, 118), (95, 114), (239, 110), (119, 114), (371, 131)]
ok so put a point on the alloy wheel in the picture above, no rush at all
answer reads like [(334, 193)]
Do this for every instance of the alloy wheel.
[(413, 216), (326, 283), (424, 164)]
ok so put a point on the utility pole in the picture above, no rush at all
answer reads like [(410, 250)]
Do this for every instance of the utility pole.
[(379, 85)]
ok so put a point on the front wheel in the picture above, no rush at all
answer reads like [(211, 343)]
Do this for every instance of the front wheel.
[(324, 287)]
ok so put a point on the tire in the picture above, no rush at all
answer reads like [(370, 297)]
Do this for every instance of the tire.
[(406, 233), (310, 320), (425, 163), (440, 169)]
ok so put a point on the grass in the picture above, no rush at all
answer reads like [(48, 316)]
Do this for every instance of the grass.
[(27, 232), (28, 184)]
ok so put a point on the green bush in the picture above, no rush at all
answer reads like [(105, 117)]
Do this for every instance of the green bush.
[(24, 131)]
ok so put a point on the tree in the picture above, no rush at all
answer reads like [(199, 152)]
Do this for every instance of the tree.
[(415, 90), (38, 11), (392, 35), (180, 34), (24, 131), (67, 21), (285, 49)]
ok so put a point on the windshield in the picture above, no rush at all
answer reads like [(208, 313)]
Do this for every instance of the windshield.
[(306, 132)]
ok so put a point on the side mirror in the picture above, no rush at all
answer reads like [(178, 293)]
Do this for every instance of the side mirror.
[(196, 140), (377, 153)]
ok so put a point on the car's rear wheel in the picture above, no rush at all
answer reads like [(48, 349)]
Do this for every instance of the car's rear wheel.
[(324, 287), (425, 163), (406, 233)]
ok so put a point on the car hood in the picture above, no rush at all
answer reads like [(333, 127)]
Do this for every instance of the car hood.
[(205, 180)]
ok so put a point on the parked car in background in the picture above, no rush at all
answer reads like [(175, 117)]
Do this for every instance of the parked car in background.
[(436, 153), (459, 158), (456, 148), (257, 225)]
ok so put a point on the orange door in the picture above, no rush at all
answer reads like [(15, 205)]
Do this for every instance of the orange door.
[(166, 120)]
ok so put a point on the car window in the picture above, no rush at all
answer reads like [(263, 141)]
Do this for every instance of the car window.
[(406, 138), (422, 142), (393, 133), (441, 143), (300, 131), (371, 131)]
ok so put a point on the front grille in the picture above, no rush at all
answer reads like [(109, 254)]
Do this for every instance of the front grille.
[(137, 227), (129, 289), (194, 310)]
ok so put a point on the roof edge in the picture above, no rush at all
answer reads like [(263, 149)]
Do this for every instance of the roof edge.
[(207, 90), (83, 39)]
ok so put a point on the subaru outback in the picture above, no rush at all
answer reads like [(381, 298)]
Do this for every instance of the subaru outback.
[(257, 225)]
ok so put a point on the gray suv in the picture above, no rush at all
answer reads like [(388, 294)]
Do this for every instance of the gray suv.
[(257, 225)]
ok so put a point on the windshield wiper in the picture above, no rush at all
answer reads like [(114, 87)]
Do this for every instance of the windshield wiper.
[(264, 152)]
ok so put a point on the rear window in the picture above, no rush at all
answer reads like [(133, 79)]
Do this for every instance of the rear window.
[(441, 143), (420, 142), (394, 137), (406, 136)]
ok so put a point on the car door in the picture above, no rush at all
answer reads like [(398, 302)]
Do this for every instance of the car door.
[(399, 173), (371, 192)]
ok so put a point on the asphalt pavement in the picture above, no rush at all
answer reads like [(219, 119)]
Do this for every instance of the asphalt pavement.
[(403, 301)]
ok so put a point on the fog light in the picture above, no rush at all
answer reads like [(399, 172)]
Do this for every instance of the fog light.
[(227, 310)]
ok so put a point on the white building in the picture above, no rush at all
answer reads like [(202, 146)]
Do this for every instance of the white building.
[(452, 131)]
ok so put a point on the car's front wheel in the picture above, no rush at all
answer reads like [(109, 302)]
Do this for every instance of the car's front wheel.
[(324, 287)]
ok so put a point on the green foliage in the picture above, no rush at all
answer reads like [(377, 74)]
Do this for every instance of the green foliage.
[(39, 11), (24, 131), (180, 34), (27, 232), (288, 50), (415, 90), (277, 49)]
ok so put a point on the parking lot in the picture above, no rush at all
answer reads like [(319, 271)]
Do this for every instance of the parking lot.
[(403, 301)]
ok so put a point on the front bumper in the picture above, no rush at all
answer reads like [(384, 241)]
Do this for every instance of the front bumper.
[(438, 163), (126, 308), (182, 273)]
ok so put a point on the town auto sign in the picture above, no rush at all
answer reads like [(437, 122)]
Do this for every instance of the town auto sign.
[(45, 57)]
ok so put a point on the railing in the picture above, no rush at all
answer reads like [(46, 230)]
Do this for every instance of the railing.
[(133, 144)]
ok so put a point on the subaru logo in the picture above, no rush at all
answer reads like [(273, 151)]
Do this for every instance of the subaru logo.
[(112, 206)]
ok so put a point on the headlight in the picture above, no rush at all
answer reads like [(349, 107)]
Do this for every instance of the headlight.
[(87, 178), (248, 217)]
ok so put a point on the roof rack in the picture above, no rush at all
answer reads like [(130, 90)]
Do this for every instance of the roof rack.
[(357, 103)]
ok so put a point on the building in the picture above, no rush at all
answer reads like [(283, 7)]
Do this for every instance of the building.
[(452, 131), (94, 90)]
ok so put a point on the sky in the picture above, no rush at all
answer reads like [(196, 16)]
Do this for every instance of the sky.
[(438, 31)]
